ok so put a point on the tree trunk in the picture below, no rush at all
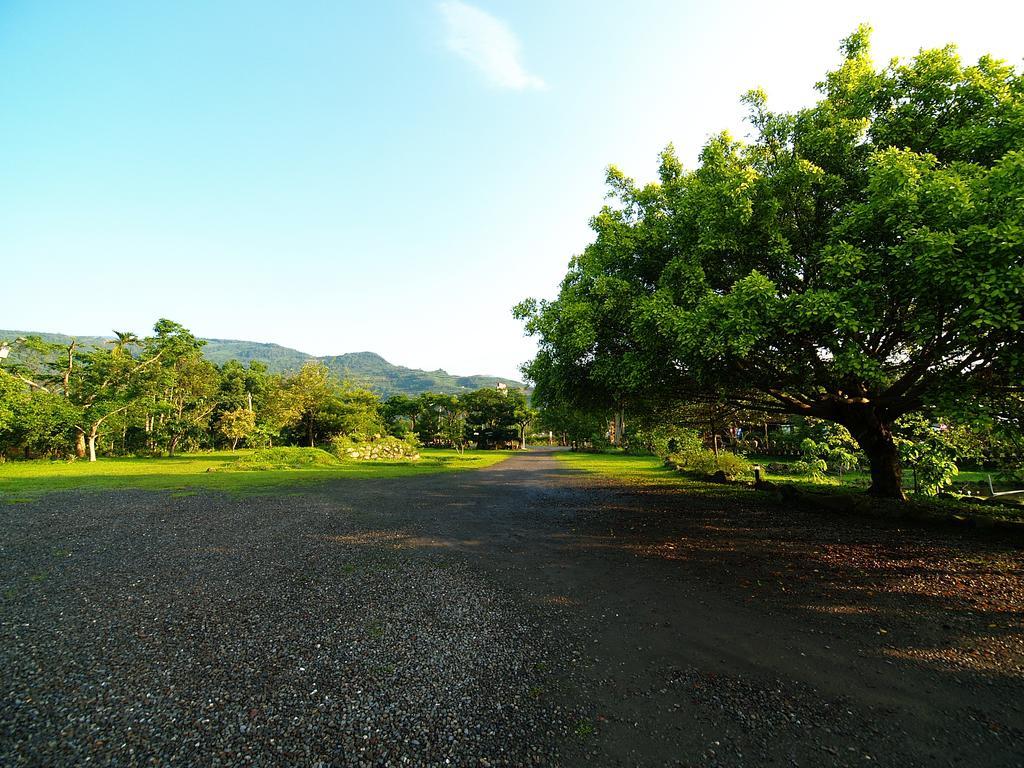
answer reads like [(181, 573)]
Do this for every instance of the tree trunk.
[(80, 444), (875, 438), (886, 472), (92, 446), (617, 428)]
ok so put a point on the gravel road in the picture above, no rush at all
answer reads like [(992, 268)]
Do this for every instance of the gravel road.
[(524, 614)]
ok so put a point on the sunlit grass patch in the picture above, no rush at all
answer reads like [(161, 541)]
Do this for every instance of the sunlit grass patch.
[(642, 470), (264, 459), (21, 481), (851, 497)]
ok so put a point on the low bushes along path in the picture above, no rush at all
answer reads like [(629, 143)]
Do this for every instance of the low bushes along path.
[(523, 614)]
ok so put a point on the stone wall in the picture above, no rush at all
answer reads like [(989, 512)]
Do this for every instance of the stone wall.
[(381, 449)]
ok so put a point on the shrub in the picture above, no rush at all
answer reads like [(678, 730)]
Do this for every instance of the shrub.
[(663, 440), (812, 467), (342, 444), (931, 462), (831, 449), (700, 461), (704, 462), (927, 451), (261, 437), (1012, 474), (733, 466)]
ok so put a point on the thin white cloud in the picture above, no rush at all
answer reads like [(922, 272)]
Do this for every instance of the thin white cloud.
[(488, 44)]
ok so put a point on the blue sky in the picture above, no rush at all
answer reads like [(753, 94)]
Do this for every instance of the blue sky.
[(386, 176)]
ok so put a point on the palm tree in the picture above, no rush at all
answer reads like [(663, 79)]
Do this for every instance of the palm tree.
[(123, 339)]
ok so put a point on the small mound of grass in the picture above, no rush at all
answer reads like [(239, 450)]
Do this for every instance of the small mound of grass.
[(269, 459)]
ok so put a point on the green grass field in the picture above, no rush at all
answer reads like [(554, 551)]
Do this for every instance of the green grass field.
[(974, 480), (22, 480), (640, 470), (650, 471)]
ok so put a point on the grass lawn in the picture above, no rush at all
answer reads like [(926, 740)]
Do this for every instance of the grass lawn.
[(650, 471), (644, 470), (974, 480), (22, 480)]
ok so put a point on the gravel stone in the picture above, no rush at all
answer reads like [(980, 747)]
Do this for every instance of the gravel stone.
[(141, 630)]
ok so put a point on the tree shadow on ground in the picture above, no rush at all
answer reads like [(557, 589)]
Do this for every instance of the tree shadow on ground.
[(952, 601)]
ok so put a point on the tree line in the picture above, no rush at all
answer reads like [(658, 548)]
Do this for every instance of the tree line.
[(858, 262), (159, 395)]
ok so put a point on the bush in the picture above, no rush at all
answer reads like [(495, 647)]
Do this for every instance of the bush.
[(261, 437), (830, 449), (663, 440), (927, 451), (700, 461), (811, 467), (931, 463), (733, 466), (1012, 474), (704, 462)]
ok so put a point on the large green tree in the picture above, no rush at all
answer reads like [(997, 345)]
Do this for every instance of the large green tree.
[(496, 416), (400, 413), (857, 260), (182, 387), (440, 419), (311, 391), (323, 407)]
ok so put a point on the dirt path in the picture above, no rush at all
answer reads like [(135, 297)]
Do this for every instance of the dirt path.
[(717, 633), (523, 614)]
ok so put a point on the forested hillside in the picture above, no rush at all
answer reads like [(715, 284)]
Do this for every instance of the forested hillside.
[(365, 369)]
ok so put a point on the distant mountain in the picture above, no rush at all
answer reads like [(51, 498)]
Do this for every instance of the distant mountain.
[(366, 369), (277, 358)]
